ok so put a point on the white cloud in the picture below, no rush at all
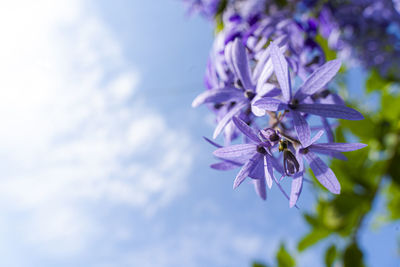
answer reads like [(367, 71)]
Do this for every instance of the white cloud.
[(206, 243), (72, 139)]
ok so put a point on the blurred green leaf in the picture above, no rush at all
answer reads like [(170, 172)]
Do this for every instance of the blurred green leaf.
[(330, 255), (353, 256), (283, 258), (393, 202), (376, 82), (258, 264), (281, 3), (329, 53), (219, 23), (311, 238), (391, 102)]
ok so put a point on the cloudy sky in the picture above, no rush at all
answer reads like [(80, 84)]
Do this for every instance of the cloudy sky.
[(102, 158)]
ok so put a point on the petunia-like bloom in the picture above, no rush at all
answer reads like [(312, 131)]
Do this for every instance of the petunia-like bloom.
[(296, 104), (321, 171)]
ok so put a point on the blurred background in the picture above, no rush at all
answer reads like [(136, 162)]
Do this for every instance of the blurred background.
[(102, 157)]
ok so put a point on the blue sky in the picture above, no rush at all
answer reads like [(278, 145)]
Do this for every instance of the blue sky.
[(103, 158)]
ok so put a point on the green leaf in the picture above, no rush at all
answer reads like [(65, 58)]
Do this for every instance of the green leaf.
[(353, 256), (392, 193), (281, 3), (330, 255), (258, 264), (329, 53), (311, 220), (391, 102), (313, 237), (283, 258), (376, 82)]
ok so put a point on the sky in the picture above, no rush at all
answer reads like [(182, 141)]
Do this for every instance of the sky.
[(103, 161)]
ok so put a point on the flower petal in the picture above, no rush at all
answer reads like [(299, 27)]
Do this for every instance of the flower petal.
[(323, 173), (330, 111), (282, 190), (218, 96), (264, 57), (337, 147), (328, 129), (269, 171), (240, 62), (336, 155), (211, 142), (270, 104), (259, 186), (281, 70), (228, 116), (317, 136), (235, 151), (225, 165), (302, 128), (246, 169), (276, 165), (318, 79), (258, 171), (297, 185), (245, 129)]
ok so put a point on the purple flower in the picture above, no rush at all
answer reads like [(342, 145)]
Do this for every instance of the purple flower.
[(240, 95), (296, 104), (242, 91), (321, 171), (255, 158)]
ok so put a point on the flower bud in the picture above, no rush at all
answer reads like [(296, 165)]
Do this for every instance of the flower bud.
[(269, 135)]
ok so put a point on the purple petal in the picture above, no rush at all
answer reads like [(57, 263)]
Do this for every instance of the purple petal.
[(240, 62), (225, 165), (228, 116), (318, 79), (265, 74), (297, 185), (337, 147), (258, 171), (270, 104), (259, 185), (282, 190), (211, 142), (246, 169), (323, 173), (217, 96), (245, 129), (302, 129), (235, 151), (277, 166), (272, 93), (328, 129), (228, 56), (330, 111), (268, 170), (265, 59), (336, 155), (261, 63), (281, 70), (317, 137)]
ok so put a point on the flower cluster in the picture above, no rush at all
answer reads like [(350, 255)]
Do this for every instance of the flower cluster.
[(368, 29), (256, 58)]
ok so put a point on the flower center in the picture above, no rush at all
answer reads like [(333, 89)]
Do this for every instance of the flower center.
[(249, 94), (261, 150), (294, 104)]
